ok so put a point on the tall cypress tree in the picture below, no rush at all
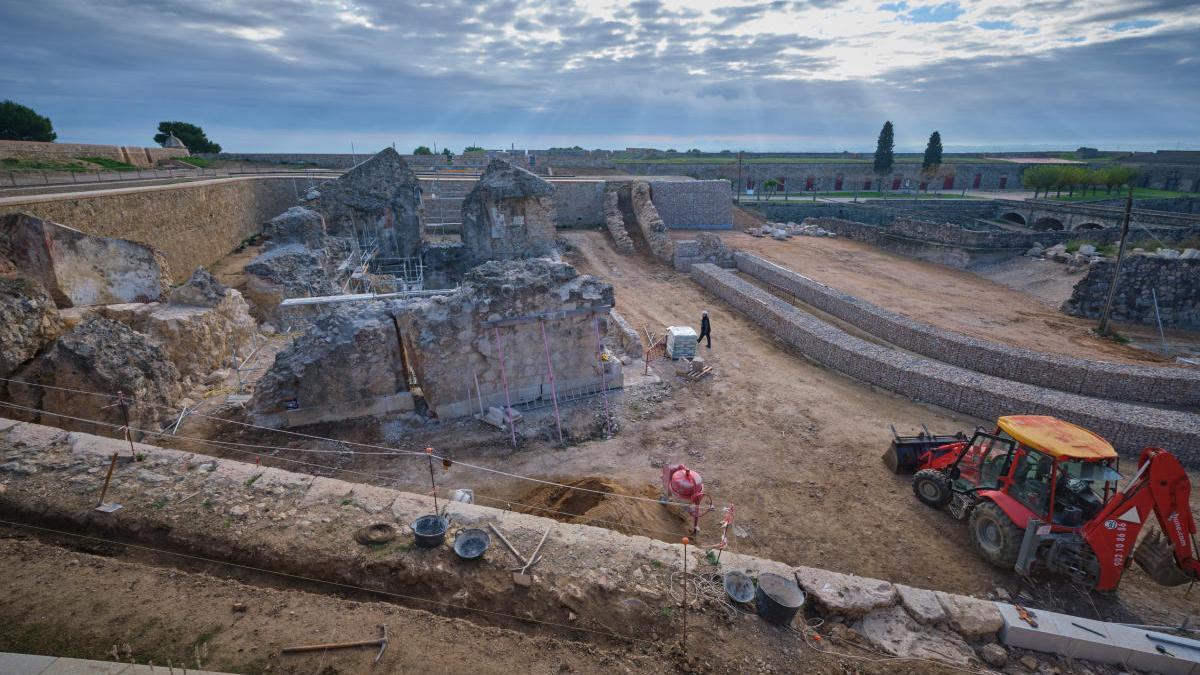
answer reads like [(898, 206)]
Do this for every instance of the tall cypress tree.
[(933, 154), (884, 157)]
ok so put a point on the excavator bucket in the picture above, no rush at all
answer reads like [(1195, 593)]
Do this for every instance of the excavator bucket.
[(1156, 557)]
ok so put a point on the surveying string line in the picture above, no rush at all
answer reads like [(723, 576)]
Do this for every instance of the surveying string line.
[(438, 603), (387, 480), (393, 451)]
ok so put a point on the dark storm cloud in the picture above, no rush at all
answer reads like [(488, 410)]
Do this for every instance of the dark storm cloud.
[(304, 75)]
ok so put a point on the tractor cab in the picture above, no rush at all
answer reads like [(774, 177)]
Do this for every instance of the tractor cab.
[(1031, 465)]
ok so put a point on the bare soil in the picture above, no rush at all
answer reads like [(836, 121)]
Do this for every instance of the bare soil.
[(947, 297), (582, 503)]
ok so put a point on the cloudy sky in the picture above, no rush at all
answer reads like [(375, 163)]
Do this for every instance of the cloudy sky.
[(318, 75)]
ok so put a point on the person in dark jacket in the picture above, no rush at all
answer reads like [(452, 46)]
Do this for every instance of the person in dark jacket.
[(706, 329)]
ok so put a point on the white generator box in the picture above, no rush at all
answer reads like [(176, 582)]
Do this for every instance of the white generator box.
[(681, 342)]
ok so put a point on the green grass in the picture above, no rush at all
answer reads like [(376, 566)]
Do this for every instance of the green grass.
[(732, 159), (1138, 193), (196, 161), (110, 164), (801, 197), (13, 164)]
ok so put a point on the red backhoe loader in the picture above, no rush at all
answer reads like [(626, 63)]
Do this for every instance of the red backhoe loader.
[(1042, 494)]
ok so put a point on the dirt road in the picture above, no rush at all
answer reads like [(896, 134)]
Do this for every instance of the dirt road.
[(951, 298)]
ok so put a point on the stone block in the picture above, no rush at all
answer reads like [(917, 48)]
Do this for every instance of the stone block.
[(921, 604), (843, 593), (895, 632), (971, 617)]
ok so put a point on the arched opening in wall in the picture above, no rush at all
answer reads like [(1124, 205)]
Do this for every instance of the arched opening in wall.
[(896, 182), (977, 180), (1014, 218), (749, 183), (837, 183), (948, 183), (867, 184), (1048, 223), (1089, 226), (782, 184), (1003, 182), (809, 182), (923, 187)]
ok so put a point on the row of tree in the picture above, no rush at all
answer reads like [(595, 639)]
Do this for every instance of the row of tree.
[(1069, 177)]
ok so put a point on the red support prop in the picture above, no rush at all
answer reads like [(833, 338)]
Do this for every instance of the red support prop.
[(553, 387), (504, 381)]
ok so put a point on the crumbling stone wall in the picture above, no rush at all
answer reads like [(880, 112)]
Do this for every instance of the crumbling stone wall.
[(1128, 427), (98, 355), (1148, 384), (80, 269), (649, 224), (28, 321), (380, 198), (450, 348), (614, 220), (509, 215), (287, 271), (1175, 282), (704, 248)]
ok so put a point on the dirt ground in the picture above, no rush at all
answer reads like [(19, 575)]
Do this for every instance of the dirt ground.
[(954, 299), (793, 447)]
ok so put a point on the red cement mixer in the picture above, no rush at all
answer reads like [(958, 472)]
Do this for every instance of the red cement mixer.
[(688, 486)]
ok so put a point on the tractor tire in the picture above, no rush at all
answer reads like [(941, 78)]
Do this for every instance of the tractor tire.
[(995, 535), (932, 487)]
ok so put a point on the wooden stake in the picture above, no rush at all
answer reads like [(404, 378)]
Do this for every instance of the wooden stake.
[(107, 478)]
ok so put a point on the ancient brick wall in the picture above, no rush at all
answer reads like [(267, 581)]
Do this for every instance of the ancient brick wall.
[(1149, 384), (1175, 283), (1128, 427), (193, 224)]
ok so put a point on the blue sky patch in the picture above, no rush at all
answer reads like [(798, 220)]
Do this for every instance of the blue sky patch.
[(1122, 26), (947, 11), (894, 6), (997, 25)]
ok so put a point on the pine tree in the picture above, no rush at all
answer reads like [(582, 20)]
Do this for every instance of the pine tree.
[(884, 156)]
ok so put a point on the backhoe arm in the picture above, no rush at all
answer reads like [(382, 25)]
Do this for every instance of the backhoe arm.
[(1160, 486)]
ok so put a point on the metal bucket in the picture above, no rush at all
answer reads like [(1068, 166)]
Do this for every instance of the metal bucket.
[(778, 598), (430, 531), (470, 544), (738, 586)]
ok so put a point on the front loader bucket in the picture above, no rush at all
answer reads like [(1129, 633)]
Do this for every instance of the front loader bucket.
[(1156, 557)]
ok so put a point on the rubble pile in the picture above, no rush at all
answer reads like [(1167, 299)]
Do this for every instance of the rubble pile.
[(296, 225), (783, 231), (287, 271)]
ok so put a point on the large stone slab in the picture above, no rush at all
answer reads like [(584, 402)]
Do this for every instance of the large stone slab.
[(898, 634), (971, 617), (81, 269), (844, 593), (921, 604)]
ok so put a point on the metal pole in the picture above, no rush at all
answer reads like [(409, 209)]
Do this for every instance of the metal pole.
[(1112, 289), (553, 387), (432, 483), (683, 611), (107, 478), (603, 377), (504, 381), (1158, 317), (738, 190)]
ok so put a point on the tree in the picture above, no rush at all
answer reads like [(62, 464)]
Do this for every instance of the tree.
[(472, 148), (192, 136), (933, 155), (1116, 176), (422, 150), (769, 186), (885, 158), (19, 123), (1040, 178)]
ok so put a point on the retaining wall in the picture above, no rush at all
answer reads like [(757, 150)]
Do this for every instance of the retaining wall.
[(1128, 427), (1148, 384), (693, 205), (193, 224), (136, 156), (579, 203), (1149, 287)]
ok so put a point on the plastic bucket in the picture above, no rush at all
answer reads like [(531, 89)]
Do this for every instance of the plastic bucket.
[(430, 531), (470, 544), (778, 598)]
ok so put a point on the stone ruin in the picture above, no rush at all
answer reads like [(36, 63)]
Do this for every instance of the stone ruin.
[(380, 357), (94, 314), (509, 215), (379, 200)]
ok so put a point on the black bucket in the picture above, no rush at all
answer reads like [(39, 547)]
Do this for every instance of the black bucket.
[(470, 544), (738, 586), (430, 531), (778, 598)]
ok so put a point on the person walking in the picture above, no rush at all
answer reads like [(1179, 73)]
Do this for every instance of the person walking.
[(705, 330)]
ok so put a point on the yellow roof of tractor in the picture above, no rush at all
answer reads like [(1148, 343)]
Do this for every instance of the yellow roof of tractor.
[(1059, 439)]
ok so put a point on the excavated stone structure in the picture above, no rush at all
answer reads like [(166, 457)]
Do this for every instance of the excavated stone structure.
[(359, 359), (450, 341), (28, 321), (81, 269), (380, 198), (347, 364), (99, 355), (614, 220), (296, 225), (508, 215), (288, 271), (650, 224)]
